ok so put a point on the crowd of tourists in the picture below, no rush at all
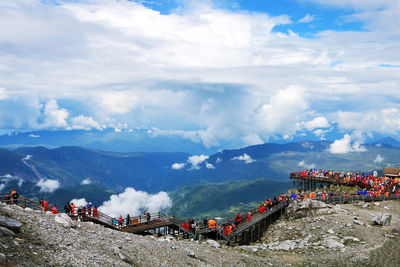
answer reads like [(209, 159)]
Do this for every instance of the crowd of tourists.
[(231, 225), (370, 184)]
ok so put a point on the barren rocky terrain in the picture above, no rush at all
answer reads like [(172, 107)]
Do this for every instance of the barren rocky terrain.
[(310, 234)]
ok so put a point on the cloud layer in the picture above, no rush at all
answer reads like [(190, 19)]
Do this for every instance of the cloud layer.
[(215, 74)]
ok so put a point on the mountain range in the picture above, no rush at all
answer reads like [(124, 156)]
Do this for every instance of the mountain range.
[(101, 173)]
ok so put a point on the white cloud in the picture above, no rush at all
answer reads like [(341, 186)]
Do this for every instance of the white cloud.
[(54, 116), (196, 160), (48, 185), (2, 186), (306, 19), (302, 164), (133, 202), (178, 166), (34, 136), (86, 181), (27, 157), (245, 157), (8, 177), (318, 122), (209, 166), (344, 145), (84, 123), (218, 160), (283, 112), (379, 159), (81, 202)]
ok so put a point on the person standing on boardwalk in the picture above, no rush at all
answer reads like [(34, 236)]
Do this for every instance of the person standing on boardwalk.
[(148, 217), (249, 216)]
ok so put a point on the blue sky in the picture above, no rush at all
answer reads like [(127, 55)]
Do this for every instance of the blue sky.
[(213, 72)]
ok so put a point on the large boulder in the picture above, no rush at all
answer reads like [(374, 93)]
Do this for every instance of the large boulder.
[(213, 243), (299, 209), (11, 224), (64, 220), (382, 219), (6, 231), (331, 243)]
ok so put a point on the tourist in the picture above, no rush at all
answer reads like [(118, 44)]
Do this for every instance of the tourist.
[(238, 218), (95, 213), (249, 216), (54, 209)]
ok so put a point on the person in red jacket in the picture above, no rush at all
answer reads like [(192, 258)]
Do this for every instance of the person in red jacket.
[(249, 216), (95, 213), (54, 209), (238, 218)]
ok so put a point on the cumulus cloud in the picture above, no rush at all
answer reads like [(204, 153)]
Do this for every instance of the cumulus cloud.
[(133, 202), (378, 159), (86, 181), (34, 136), (209, 166), (318, 122), (81, 202), (54, 116), (245, 157), (344, 145), (84, 123), (48, 185), (284, 110), (196, 160), (178, 166)]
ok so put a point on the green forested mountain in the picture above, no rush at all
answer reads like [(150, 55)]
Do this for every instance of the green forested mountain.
[(223, 199)]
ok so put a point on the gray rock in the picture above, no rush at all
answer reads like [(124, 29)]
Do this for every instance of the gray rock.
[(351, 238), (213, 243), (330, 231), (190, 253), (6, 231), (10, 224), (358, 222), (2, 257), (382, 219), (366, 205), (331, 243), (64, 220)]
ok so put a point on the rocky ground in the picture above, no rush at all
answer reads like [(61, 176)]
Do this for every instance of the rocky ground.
[(315, 234), (310, 233)]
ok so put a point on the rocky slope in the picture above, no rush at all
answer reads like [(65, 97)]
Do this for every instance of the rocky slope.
[(310, 233)]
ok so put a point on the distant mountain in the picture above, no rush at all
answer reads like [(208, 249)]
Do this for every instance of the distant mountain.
[(121, 140), (223, 199), (153, 172), (389, 141)]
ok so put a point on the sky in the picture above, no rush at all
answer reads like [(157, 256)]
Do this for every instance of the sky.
[(209, 71)]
